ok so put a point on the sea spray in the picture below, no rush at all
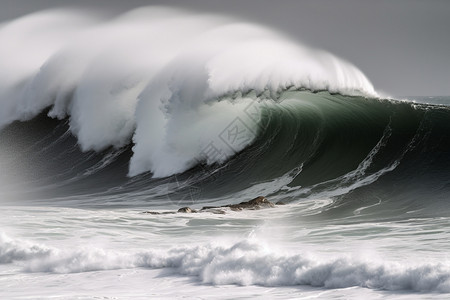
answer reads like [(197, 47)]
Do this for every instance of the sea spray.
[(123, 77)]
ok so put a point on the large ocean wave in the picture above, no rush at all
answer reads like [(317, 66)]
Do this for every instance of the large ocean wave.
[(161, 104)]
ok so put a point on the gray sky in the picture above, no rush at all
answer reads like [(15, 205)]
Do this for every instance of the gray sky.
[(403, 46)]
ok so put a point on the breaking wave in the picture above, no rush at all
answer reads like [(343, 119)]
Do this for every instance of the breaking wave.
[(246, 262), (126, 79), (210, 109)]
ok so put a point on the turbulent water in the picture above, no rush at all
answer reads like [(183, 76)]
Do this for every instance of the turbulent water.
[(103, 118)]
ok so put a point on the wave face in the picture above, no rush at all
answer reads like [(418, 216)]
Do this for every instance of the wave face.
[(297, 145)]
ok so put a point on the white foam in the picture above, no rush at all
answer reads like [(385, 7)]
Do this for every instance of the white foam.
[(17, 250), (126, 77), (246, 262)]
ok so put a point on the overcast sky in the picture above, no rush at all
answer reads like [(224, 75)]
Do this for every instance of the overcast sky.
[(403, 46)]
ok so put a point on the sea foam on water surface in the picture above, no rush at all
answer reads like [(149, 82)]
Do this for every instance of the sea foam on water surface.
[(245, 262)]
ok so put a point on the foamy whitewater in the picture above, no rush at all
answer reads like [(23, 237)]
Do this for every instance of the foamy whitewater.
[(104, 118)]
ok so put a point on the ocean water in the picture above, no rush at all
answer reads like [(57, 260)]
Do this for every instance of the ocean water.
[(120, 118)]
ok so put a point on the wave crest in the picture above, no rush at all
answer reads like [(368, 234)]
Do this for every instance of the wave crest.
[(126, 77)]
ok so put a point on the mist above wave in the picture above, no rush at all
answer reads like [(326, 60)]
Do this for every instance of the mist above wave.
[(157, 76)]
